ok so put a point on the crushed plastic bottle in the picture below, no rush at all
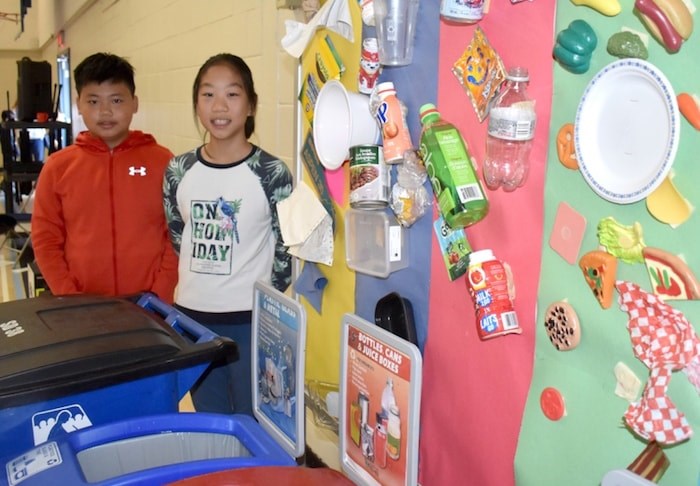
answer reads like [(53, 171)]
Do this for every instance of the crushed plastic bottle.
[(512, 121)]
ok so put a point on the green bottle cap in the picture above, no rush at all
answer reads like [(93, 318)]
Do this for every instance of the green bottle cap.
[(428, 112)]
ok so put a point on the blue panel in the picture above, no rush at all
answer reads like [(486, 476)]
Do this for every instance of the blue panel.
[(415, 84)]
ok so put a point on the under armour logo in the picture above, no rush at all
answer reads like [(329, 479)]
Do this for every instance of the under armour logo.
[(137, 170)]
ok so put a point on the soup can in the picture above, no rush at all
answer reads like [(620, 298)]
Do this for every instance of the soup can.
[(369, 178), (462, 11)]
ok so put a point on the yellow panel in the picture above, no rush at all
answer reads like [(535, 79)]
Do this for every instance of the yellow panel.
[(323, 331)]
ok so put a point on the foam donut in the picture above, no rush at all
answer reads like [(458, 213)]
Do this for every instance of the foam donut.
[(669, 21)]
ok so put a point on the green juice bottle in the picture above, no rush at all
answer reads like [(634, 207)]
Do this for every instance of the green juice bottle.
[(461, 199)]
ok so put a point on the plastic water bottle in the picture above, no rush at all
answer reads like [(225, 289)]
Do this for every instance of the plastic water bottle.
[(456, 185), (511, 129), (388, 397)]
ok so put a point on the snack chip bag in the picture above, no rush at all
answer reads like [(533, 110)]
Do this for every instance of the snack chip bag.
[(481, 72)]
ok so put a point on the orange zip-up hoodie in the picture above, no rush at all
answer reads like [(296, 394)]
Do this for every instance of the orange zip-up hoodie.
[(98, 224)]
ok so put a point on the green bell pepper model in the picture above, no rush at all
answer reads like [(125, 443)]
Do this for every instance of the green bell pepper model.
[(575, 45)]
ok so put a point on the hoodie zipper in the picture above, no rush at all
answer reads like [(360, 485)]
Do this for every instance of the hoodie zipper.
[(113, 222)]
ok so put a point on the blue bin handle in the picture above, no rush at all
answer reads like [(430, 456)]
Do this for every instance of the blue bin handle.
[(176, 319)]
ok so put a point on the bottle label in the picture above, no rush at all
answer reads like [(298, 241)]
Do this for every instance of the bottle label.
[(487, 283), (462, 11), (395, 134), (459, 166), (393, 445), (380, 446), (369, 177), (512, 123)]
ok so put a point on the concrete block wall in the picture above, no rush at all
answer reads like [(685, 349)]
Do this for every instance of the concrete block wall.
[(168, 40)]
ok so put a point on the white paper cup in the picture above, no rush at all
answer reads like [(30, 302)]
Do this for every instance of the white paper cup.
[(342, 119)]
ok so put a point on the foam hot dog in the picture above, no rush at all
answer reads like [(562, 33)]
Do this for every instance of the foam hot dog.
[(669, 21)]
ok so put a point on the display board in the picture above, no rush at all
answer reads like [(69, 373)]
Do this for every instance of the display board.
[(593, 437), (278, 360), (474, 391), (380, 405)]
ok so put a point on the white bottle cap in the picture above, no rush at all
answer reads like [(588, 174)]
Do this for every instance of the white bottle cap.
[(385, 86), (480, 256)]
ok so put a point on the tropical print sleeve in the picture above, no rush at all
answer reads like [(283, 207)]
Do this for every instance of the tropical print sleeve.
[(177, 167), (276, 179)]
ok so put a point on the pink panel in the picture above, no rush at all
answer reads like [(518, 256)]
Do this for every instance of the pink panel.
[(474, 391)]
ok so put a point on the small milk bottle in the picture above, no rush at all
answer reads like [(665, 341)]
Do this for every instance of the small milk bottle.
[(391, 116), (490, 286)]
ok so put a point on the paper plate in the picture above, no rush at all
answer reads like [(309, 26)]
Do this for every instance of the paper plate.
[(627, 130)]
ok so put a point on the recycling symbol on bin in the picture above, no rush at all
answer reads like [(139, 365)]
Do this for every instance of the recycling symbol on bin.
[(53, 423)]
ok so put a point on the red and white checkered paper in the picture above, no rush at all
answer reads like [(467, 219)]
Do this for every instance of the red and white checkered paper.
[(665, 342)]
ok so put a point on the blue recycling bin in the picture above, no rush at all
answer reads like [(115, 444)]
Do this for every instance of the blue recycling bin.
[(73, 362), (151, 450)]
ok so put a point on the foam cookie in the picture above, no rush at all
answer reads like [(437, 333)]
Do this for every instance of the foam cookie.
[(562, 326)]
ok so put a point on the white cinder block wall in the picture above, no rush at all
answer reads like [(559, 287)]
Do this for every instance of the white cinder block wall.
[(168, 40)]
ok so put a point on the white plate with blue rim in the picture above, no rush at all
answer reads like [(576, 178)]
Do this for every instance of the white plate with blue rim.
[(627, 130)]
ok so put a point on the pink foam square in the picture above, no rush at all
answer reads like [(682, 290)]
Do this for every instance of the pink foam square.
[(567, 232)]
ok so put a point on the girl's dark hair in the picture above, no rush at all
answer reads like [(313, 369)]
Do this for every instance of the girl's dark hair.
[(101, 67), (238, 65)]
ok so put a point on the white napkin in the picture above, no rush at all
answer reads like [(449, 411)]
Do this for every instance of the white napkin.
[(333, 15), (306, 226)]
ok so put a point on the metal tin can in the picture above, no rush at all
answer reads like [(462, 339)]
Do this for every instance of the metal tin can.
[(489, 285), (369, 178), (462, 11)]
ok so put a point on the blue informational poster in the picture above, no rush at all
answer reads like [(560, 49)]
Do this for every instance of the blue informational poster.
[(279, 348)]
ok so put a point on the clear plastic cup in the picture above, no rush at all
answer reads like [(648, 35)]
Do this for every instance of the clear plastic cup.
[(395, 21)]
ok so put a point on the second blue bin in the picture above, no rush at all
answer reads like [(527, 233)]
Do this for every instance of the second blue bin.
[(70, 363)]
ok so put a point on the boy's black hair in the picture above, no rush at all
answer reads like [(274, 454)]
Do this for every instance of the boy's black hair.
[(101, 67), (239, 65)]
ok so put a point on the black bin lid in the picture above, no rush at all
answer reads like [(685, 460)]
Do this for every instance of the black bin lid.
[(52, 346)]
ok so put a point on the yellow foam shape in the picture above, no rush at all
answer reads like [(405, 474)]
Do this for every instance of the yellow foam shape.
[(606, 7), (668, 205)]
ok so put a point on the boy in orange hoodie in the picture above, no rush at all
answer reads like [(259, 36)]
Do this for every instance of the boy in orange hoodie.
[(98, 224)]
